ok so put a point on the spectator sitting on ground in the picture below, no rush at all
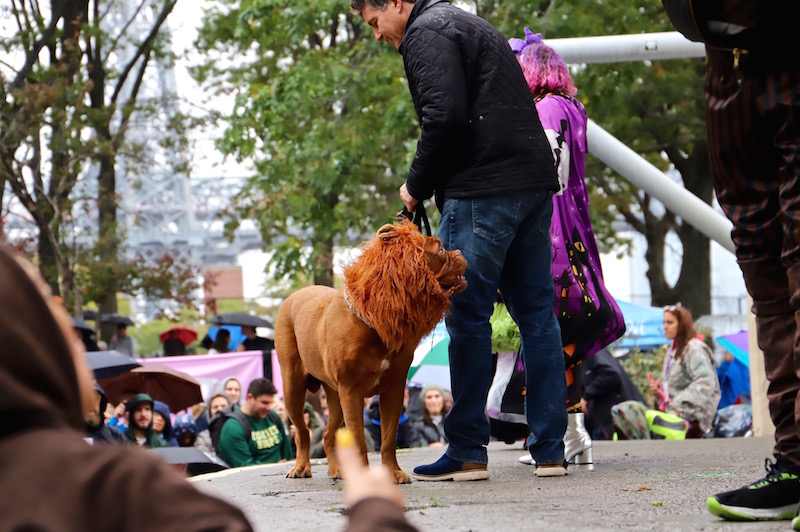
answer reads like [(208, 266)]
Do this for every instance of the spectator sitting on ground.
[(233, 388), (279, 407), (162, 422), (690, 388), (431, 426), (119, 418), (407, 433), (140, 423), (267, 443), (45, 395), (218, 402), (96, 422), (185, 430), (319, 401)]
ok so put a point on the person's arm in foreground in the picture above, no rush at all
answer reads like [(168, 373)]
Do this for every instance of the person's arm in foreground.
[(375, 503)]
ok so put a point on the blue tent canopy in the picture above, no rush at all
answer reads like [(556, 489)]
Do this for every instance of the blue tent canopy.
[(644, 326)]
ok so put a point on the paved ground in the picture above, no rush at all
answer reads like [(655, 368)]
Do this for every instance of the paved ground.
[(651, 485)]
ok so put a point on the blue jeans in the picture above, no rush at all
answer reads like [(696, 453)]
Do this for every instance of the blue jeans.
[(506, 242)]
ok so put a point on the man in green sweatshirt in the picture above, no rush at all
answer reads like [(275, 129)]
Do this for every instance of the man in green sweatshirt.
[(267, 443)]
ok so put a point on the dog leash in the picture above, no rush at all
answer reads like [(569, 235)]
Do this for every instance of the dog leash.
[(419, 218)]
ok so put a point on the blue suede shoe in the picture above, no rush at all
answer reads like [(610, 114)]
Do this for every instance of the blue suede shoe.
[(448, 469)]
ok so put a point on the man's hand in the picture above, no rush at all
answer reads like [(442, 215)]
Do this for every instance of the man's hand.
[(408, 200)]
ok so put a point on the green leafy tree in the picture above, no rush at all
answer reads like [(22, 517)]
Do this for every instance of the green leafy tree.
[(323, 114), (71, 89)]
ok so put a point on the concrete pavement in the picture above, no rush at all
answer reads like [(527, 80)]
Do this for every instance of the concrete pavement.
[(632, 485)]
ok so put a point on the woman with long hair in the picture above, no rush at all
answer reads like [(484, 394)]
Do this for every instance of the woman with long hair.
[(432, 424), (690, 388)]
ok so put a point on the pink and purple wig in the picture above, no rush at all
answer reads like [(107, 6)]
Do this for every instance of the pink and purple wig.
[(544, 69)]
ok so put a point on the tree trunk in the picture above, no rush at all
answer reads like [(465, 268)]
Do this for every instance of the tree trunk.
[(323, 267), (693, 289), (108, 238)]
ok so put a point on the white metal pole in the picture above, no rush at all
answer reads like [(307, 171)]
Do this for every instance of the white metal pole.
[(618, 48), (647, 177)]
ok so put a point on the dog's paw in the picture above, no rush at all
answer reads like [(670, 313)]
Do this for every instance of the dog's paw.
[(334, 472), (300, 471), (400, 477)]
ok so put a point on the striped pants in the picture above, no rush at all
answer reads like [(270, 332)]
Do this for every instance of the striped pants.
[(754, 145)]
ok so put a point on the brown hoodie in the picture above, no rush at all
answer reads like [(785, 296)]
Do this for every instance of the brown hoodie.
[(50, 478)]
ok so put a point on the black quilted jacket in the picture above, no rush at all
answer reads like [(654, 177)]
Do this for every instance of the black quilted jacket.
[(481, 134)]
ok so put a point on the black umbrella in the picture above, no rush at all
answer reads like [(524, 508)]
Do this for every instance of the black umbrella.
[(240, 318), (79, 323), (197, 462), (107, 364), (90, 314), (116, 319)]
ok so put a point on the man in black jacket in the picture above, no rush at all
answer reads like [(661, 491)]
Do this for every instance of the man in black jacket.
[(483, 152)]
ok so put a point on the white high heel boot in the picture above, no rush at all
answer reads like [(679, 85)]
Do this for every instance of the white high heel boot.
[(577, 443)]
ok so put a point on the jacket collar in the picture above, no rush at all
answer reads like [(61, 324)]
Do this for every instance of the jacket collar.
[(419, 7)]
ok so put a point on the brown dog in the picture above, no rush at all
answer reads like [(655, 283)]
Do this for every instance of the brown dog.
[(359, 341)]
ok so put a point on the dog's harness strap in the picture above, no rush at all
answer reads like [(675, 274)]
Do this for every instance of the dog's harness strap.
[(353, 309)]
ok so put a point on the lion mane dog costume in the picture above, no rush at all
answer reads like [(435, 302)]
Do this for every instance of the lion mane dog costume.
[(359, 341)]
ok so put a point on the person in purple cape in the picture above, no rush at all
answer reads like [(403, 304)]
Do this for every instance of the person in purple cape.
[(589, 317)]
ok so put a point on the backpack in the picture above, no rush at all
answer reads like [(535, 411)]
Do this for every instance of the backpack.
[(232, 412), (219, 419)]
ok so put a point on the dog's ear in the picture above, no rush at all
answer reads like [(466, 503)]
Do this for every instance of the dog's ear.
[(387, 232)]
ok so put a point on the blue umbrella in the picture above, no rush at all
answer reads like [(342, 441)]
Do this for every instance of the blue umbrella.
[(237, 336)]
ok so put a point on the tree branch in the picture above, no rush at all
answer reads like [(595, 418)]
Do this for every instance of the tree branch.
[(33, 54), (142, 50)]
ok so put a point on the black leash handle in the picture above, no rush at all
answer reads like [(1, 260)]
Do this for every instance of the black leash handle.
[(419, 218)]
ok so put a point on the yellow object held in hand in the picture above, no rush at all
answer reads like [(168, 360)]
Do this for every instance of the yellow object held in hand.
[(344, 438)]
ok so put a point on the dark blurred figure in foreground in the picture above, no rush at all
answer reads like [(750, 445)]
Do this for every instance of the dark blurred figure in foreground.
[(47, 388)]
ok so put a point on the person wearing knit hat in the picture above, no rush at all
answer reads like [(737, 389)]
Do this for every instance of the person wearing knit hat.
[(432, 424)]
